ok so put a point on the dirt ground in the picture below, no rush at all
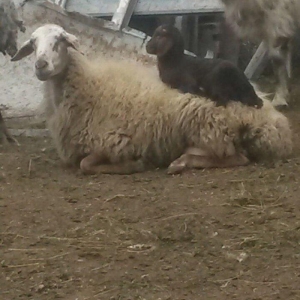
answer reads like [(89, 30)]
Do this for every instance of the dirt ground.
[(211, 234)]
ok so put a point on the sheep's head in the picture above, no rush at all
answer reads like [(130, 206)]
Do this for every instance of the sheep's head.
[(50, 45)]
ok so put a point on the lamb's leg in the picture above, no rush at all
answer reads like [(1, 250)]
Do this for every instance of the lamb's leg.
[(5, 136), (98, 164), (189, 161)]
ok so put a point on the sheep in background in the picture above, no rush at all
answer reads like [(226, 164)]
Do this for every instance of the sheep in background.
[(273, 22), (9, 24), (114, 117)]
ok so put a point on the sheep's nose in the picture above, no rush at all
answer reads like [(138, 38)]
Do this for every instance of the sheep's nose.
[(41, 64)]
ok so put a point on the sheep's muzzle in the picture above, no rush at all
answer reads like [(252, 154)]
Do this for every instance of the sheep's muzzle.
[(41, 70)]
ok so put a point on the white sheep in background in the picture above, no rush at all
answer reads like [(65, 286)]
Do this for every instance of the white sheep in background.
[(274, 22), (115, 117)]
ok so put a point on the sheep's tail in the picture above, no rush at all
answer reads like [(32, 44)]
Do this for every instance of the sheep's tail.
[(269, 137)]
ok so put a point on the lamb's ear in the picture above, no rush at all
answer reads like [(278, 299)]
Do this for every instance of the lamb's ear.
[(25, 50), (71, 39)]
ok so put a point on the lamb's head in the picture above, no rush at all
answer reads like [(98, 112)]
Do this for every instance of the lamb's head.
[(50, 44), (165, 39)]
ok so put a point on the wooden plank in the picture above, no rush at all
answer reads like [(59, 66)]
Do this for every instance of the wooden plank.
[(146, 7), (63, 3), (123, 13), (257, 62)]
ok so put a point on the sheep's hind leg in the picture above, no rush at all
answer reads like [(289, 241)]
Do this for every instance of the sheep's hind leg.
[(99, 164), (198, 161)]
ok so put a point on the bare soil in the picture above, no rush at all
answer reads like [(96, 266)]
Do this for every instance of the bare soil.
[(211, 234)]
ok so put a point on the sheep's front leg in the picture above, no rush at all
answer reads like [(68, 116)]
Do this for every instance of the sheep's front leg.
[(280, 66), (5, 136), (99, 164), (199, 161)]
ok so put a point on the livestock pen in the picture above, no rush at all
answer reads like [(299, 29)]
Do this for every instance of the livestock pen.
[(206, 234)]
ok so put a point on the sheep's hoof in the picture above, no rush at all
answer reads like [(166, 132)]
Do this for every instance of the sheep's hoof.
[(4, 139), (23, 28), (176, 168), (279, 102), (282, 107), (12, 140)]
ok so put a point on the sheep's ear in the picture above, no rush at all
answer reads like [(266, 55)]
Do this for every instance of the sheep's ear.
[(71, 39), (25, 50)]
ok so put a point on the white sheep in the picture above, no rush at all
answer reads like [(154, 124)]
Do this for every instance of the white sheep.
[(116, 117), (274, 23)]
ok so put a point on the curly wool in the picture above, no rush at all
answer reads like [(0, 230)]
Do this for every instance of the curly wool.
[(122, 110)]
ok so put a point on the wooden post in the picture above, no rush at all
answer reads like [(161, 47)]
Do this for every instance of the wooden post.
[(195, 35), (63, 4), (123, 13), (178, 22), (185, 30), (258, 62)]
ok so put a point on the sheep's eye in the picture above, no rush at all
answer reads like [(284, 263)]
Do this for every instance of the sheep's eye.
[(57, 41), (32, 42), (55, 46)]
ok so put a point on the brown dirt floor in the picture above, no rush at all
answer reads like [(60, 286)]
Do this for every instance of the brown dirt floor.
[(211, 234)]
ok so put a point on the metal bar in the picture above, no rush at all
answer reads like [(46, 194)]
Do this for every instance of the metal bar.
[(123, 13)]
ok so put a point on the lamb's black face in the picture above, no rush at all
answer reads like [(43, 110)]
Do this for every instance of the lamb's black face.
[(161, 42)]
